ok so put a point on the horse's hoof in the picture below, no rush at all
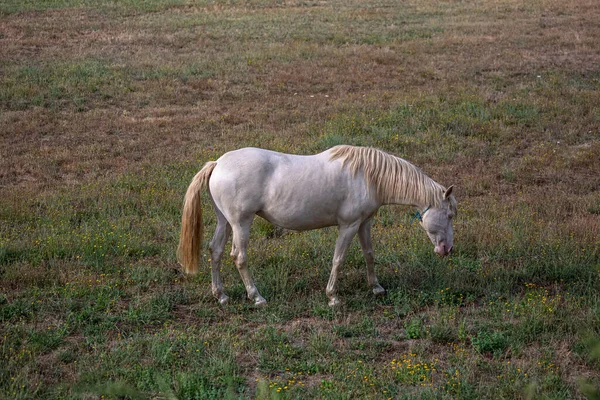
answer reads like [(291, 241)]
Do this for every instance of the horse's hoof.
[(260, 302), (378, 290), (334, 302), (223, 299)]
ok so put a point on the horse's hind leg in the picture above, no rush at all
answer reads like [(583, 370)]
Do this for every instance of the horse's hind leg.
[(364, 236), (217, 245), (241, 233)]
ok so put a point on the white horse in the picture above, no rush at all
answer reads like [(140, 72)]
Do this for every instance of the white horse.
[(343, 186)]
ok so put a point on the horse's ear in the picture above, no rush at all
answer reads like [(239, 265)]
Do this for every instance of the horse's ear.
[(448, 192)]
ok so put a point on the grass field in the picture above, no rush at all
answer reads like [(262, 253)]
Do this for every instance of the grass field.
[(109, 108)]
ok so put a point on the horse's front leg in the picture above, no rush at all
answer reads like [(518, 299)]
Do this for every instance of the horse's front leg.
[(342, 244), (364, 236), (241, 233)]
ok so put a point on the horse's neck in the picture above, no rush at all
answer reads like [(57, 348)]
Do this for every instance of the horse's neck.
[(407, 202), (422, 196)]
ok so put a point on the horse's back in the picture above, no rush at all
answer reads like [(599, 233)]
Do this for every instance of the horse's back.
[(253, 165), (252, 172), (292, 191)]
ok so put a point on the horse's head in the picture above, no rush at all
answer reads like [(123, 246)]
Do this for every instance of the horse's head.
[(437, 222)]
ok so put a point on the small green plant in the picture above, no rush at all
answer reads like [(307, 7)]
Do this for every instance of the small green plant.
[(595, 208), (486, 342), (409, 370), (442, 332), (454, 382), (48, 339), (266, 229), (462, 333), (414, 328)]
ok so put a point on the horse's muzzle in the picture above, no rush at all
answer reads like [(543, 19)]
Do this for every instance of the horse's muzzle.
[(442, 250)]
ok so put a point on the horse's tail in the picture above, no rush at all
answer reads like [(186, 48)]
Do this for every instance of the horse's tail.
[(190, 241)]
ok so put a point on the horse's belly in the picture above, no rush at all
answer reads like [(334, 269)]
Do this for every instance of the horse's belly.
[(301, 211), (299, 221)]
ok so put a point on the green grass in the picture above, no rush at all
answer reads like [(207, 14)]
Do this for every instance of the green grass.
[(58, 85), (108, 109), (128, 317)]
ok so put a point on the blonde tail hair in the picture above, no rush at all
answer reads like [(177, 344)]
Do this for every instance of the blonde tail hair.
[(190, 241)]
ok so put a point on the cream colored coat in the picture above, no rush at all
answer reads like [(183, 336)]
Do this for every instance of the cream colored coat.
[(343, 186)]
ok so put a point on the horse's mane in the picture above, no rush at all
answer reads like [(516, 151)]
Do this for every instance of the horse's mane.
[(395, 180)]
